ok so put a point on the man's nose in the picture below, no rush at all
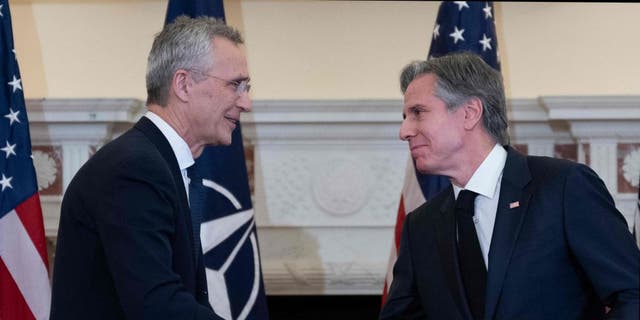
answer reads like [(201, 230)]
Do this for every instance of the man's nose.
[(244, 102), (406, 131)]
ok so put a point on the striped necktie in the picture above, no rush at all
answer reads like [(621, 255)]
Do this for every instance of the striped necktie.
[(196, 198)]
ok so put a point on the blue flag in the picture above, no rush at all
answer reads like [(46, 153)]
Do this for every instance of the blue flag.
[(461, 26), (228, 229)]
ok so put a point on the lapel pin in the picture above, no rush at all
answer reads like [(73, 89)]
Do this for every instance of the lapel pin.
[(514, 204)]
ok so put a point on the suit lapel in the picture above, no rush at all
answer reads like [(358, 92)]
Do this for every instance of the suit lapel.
[(445, 230), (157, 138), (512, 207)]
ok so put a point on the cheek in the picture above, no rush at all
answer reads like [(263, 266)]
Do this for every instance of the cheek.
[(216, 111), (224, 104), (439, 136), (429, 129)]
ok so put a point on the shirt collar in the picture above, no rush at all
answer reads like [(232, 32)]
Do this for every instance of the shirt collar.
[(178, 145), (485, 179)]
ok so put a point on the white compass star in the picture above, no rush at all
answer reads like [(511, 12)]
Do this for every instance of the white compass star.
[(9, 149), (6, 182), (457, 35), (486, 43), (436, 31), (15, 83), (1, 5), (487, 11), (13, 116), (461, 4)]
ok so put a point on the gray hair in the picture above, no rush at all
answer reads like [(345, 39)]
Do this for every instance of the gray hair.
[(183, 44), (460, 77)]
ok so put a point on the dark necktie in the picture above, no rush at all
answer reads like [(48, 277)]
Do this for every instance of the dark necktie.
[(196, 192), (472, 268)]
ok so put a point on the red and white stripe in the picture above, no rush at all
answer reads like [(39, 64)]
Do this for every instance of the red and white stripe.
[(410, 199), (25, 291)]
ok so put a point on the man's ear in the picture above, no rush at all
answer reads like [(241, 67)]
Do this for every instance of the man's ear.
[(181, 84), (472, 113)]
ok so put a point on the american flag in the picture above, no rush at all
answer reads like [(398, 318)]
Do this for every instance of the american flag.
[(228, 230), (25, 291), (460, 26)]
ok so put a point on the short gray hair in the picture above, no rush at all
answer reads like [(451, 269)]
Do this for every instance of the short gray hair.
[(183, 44), (460, 77)]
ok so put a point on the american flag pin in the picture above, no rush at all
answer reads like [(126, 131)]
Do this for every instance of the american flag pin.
[(514, 204)]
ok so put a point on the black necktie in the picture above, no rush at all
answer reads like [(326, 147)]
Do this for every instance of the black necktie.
[(195, 203), (472, 268)]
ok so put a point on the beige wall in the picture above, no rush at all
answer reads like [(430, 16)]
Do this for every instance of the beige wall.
[(326, 49)]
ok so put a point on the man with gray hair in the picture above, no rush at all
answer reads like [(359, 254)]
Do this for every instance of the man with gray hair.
[(126, 247), (514, 237)]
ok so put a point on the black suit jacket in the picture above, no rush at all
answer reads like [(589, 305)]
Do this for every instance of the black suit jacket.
[(562, 252), (125, 242)]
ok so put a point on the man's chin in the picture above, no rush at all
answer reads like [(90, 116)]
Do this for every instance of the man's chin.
[(220, 141), (424, 168), (227, 140)]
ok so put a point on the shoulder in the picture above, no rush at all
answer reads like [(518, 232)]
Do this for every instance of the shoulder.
[(540, 163), (130, 155), (430, 208), (551, 175), (547, 167)]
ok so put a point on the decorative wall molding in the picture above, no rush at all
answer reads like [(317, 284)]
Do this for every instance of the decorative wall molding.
[(76, 127), (323, 260), (603, 123), (316, 121), (328, 174), (607, 108)]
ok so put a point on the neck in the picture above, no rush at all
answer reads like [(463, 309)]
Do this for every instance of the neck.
[(177, 121), (475, 152)]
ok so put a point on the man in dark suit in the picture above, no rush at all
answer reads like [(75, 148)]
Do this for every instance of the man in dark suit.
[(126, 248), (514, 237)]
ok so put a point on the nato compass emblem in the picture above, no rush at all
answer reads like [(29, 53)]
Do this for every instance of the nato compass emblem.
[(232, 261)]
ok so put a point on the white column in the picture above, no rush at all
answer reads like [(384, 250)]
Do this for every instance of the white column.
[(74, 155), (541, 148), (582, 157), (603, 155)]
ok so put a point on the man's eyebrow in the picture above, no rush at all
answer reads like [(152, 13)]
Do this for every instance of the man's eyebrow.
[(410, 110), (416, 107), (240, 79)]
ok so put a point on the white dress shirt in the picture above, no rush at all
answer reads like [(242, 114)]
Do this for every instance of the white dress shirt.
[(178, 145), (485, 181)]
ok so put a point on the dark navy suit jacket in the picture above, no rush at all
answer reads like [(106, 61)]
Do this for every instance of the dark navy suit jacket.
[(564, 252), (125, 242)]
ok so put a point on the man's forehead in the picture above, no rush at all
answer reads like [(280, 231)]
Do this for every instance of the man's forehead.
[(229, 57), (421, 87), (222, 43), (422, 81)]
